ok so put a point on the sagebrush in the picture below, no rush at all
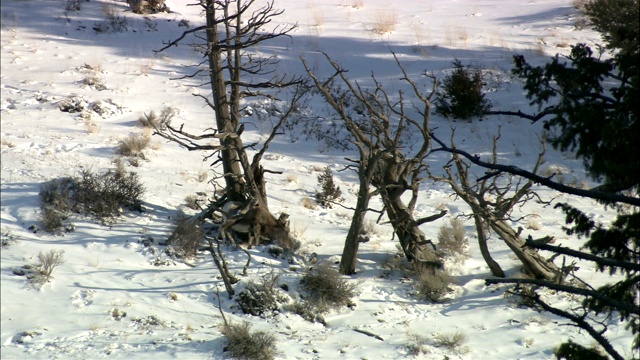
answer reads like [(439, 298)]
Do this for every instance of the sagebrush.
[(242, 343), (326, 288), (452, 240), (186, 238), (434, 285), (261, 297), (46, 263), (102, 196)]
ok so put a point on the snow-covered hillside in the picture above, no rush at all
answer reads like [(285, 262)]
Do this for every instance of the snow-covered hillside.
[(50, 55)]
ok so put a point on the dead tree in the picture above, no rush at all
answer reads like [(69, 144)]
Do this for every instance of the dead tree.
[(232, 28), (378, 132), (233, 73), (492, 199)]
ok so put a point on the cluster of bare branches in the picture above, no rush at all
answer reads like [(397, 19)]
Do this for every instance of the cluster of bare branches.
[(383, 161), (492, 199), (232, 28), (233, 73), (615, 301)]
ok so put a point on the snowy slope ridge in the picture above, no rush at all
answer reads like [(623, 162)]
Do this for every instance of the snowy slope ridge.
[(117, 296)]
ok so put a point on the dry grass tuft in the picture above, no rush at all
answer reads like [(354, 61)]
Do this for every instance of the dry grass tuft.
[(384, 21), (453, 342), (47, 262), (452, 240), (434, 286), (309, 203), (242, 343), (134, 145)]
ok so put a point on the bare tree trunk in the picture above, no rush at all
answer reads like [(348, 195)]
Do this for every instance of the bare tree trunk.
[(533, 263), (230, 160), (352, 242), (412, 240), (495, 268)]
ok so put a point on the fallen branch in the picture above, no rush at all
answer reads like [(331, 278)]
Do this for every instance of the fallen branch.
[(368, 334)]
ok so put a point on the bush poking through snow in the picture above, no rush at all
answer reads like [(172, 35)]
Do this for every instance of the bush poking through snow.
[(73, 5), (134, 145), (452, 241), (147, 6), (571, 350), (7, 238), (307, 311), (242, 343), (47, 262), (326, 288), (105, 195), (417, 345), (151, 120), (186, 238), (102, 196), (453, 342), (461, 96), (329, 192), (434, 286), (56, 203), (262, 297), (192, 202)]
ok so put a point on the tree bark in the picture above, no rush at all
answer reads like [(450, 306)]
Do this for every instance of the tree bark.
[(224, 120), (352, 242), (391, 182), (495, 268), (533, 263)]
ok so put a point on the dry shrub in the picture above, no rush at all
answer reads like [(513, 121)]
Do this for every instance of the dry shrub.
[(326, 288), (134, 145), (105, 195), (262, 297), (94, 82), (7, 238), (417, 344), (102, 196), (56, 203), (73, 5), (570, 350), (147, 6), (114, 22), (453, 342), (47, 262), (452, 240), (186, 238), (160, 122), (309, 203), (191, 201), (384, 21), (242, 343), (434, 285), (52, 220)]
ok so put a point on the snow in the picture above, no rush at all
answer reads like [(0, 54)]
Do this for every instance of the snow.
[(171, 310)]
